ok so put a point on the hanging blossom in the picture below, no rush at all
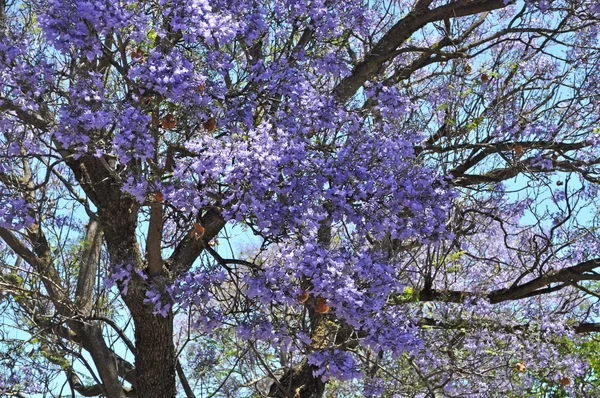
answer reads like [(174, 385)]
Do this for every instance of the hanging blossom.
[(81, 24), (82, 120)]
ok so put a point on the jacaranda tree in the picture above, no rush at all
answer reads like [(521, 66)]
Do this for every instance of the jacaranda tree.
[(298, 198)]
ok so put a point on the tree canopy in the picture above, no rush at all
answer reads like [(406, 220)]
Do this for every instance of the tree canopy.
[(299, 198)]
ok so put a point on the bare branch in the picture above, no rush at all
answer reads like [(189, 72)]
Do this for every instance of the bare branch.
[(154, 240), (88, 268)]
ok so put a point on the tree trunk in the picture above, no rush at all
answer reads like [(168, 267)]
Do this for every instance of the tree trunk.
[(155, 355), (155, 352)]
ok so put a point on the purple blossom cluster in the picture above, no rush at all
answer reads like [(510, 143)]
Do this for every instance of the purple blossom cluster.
[(133, 140), (85, 116), (171, 76), (335, 363), (201, 20), (120, 274), (192, 290), (81, 25), (14, 213), (17, 380)]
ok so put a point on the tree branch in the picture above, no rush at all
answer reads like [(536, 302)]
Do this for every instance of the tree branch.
[(90, 258), (190, 248), (581, 328), (154, 240), (93, 390), (535, 287), (400, 32)]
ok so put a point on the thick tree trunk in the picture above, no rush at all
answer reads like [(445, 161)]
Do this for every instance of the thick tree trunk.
[(155, 355), (155, 352)]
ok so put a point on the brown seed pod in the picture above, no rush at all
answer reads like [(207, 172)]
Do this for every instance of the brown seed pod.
[(321, 307), (210, 125), (168, 122), (138, 55), (197, 231), (518, 150), (303, 297)]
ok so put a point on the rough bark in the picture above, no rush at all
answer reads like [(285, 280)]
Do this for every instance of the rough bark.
[(155, 355), (88, 268)]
